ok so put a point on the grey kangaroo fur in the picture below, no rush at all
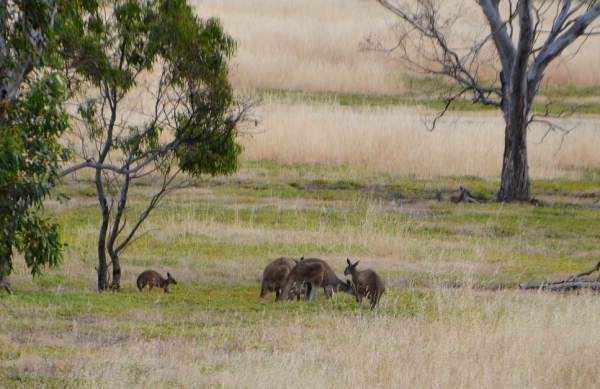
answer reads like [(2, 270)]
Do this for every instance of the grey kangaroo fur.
[(299, 289), (274, 275), (315, 273), (367, 283), (153, 278), (465, 196)]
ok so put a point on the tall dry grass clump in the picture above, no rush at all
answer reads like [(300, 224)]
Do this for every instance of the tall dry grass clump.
[(395, 139)]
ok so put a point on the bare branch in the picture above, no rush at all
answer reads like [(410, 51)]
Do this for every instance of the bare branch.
[(552, 127), (552, 48), (568, 284), (428, 27), (502, 40), (166, 188), (561, 287), (147, 158)]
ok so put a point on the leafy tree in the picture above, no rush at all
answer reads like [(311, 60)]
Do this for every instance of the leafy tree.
[(545, 29), (31, 121), (153, 101)]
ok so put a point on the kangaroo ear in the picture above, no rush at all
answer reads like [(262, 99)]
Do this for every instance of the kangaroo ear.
[(169, 275), (348, 260), (356, 263), (302, 258)]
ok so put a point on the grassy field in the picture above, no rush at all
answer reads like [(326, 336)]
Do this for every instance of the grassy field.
[(340, 166), (452, 315)]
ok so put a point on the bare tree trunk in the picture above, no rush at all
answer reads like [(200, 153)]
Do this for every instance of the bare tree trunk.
[(4, 272), (118, 224), (116, 273), (515, 184), (102, 265)]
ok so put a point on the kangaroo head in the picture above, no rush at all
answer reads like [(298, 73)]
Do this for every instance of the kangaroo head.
[(172, 280), (350, 289), (348, 270), (464, 190)]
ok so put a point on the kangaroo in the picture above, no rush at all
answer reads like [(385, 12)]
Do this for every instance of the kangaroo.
[(153, 278), (315, 273), (299, 289), (465, 196), (367, 283), (274, 275)]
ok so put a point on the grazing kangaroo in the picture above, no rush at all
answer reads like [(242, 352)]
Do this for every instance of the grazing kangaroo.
[(367, 283), (315, 273), (274, 275), (153, 278)]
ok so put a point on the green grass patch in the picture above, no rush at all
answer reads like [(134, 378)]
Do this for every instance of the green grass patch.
[(428, 92)]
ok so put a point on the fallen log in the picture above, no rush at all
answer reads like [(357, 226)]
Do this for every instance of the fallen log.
[(563, 286)]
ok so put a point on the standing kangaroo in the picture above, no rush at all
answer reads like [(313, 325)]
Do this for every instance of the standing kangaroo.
[(367, 283), (153, 278), (315, 273), (274, 275)]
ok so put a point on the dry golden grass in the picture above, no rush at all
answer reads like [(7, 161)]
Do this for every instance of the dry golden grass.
[(314, 45), (307, 45), (474, 340), (213, 331), (396, 140)]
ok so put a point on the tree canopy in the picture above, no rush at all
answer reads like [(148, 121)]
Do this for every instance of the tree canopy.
[(32, 118), (152, 99)]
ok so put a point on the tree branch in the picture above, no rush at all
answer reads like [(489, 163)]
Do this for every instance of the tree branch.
[(166, 188), (552, 48), (427, 22), (504, 45)]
